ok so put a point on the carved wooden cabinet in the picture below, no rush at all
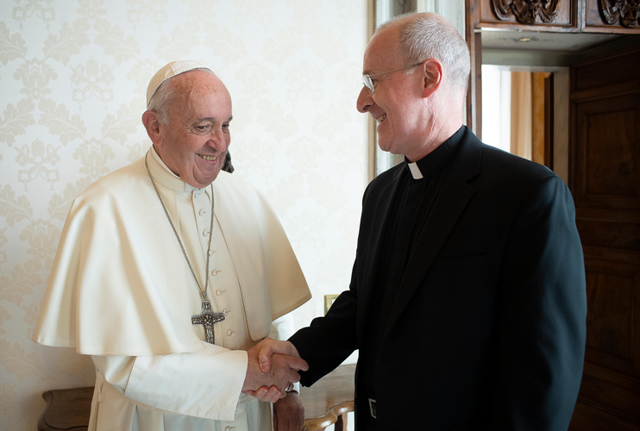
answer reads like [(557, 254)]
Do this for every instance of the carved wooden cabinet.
[(599, 16), (605, 15), (558, 15)]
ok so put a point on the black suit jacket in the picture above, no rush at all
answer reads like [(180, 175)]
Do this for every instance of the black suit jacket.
[(488, 328)]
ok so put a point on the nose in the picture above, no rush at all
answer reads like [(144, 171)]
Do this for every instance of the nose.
[(217, 140), (365, 101)]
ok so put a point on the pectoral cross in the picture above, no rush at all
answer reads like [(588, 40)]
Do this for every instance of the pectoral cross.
[(207, 319)]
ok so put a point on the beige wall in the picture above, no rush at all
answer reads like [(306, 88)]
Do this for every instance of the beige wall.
[(72, 80)]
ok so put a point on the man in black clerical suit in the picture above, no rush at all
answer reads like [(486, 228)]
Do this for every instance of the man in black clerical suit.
[(467, 299)]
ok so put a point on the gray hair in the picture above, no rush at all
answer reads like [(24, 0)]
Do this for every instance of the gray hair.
[(161, 100), (431, 36)]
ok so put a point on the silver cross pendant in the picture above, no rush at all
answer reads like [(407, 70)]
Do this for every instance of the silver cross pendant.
[(207, 319)]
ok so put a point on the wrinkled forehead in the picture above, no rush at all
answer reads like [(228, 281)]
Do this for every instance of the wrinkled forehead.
[(202, 91), (197, 80)]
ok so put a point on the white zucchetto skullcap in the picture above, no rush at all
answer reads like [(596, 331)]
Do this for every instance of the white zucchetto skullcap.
[(169, 71)]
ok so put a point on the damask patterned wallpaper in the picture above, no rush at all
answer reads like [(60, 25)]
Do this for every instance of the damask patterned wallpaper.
[(73, 76)]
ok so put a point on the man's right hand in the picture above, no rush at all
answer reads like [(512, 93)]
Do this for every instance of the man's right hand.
[(273, 366)]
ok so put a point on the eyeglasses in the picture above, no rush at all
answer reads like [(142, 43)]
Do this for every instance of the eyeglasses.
[(366, 79)]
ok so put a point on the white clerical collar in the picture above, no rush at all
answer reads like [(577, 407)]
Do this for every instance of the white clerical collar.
[(159, 160), (166, 176), (415, 171)]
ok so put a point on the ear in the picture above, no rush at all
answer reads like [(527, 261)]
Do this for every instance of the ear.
[(432, 77), (151, 123)]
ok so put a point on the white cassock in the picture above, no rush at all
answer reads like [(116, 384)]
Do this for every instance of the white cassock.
[(121, 291)]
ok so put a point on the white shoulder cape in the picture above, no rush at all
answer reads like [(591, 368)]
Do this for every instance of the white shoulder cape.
[(115, 287)]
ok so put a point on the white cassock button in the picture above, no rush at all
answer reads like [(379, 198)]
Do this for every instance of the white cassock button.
[(229, 332), (214, 272), (211, 252), (218, 292), (202, 212), (229, 428), (205, 233), (196, 195)]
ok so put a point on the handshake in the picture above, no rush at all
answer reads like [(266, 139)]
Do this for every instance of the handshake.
[(273, 368)]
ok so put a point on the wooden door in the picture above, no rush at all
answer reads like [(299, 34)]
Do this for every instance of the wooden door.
[(605, 182)]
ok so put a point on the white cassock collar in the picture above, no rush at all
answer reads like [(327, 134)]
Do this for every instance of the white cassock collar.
[(415, 171), (175, 182)]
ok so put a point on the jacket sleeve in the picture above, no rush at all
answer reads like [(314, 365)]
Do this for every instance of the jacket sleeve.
[(330, 339), (542, 317)]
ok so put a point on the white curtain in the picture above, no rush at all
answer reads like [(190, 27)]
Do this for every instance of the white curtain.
[(521, 114), (496, 107)]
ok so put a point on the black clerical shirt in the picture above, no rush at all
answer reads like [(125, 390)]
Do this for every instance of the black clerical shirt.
[(411, 207)]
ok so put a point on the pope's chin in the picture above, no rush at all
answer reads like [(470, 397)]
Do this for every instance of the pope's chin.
[(206, 171), (203, 180)]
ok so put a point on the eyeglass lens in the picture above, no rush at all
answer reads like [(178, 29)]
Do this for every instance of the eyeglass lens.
[(366, 80)]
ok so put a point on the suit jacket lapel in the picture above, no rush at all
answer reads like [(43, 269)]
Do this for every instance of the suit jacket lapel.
[(447, 209)]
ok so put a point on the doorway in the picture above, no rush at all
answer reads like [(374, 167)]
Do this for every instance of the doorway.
[(520, 115)]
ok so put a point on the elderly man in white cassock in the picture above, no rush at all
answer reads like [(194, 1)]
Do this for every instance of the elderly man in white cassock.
[(170, 271)]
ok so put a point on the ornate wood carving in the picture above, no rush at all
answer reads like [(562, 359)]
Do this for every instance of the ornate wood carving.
[(526, 11), (627, 11)]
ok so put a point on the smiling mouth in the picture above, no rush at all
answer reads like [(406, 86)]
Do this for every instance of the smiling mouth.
[(209, 158), (381, 118)]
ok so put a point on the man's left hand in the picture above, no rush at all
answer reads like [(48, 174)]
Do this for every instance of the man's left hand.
[(288, 413)]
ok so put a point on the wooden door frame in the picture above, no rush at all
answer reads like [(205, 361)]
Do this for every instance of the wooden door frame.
[(474, 42)]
